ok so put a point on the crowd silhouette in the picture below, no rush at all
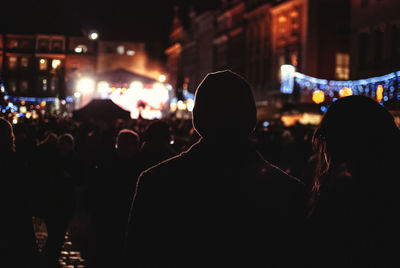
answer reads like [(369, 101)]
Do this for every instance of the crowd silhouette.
[(219, 190)]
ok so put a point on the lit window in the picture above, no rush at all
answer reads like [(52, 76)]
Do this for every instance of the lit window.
[(282, 25), (13, 43), (24, 62), (342, 66), (44, 84), (294, 58), (43, 64), (130, 52), (55, 64), (80, 49), (12, 63), (294, 20), (121, 50), (12, 85)]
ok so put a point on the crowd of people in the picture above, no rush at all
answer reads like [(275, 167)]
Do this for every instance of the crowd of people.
[(207, 192)]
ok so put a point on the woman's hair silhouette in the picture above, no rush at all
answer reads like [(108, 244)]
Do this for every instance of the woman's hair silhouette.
[(361, 134)]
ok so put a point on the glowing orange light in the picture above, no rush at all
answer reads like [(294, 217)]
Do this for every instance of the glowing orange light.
[(318, 96), (379, 93), (344, 92), (43, 103), (22, 102)]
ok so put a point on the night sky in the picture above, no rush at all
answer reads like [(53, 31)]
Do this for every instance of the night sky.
[(147, 20)]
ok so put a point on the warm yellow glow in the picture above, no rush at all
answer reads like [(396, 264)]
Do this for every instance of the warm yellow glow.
[(312, 119), (136, 85), (181, 105), (28, 115), (190, 104), (22, 102), (15, 121), (102, 87), (85, 85), (318, 96), (379, 93), (43, 64), (43, 103), (290, 119), (94, 36), (55, 63), (344, 92), (162, 78)]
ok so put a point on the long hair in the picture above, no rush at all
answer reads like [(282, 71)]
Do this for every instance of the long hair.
[(7, 138), (356, 131)]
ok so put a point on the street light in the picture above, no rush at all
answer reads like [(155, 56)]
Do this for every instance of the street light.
[(93, 35)]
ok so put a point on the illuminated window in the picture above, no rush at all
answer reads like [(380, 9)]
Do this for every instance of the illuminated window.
[(24, 62), (81, 49), (12, 85), (342, 71), (294, 58), (55, 63), (121, 50), (44, 84), (43, 64), (13, 43), (294, 22), (130, 52), (282, 25), (53, 83), (12, 63)]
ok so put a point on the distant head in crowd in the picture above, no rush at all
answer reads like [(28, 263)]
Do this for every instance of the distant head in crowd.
[(66, 143), (158, 133), (127, 143), (360, 133), (224, 106), (7, 139)]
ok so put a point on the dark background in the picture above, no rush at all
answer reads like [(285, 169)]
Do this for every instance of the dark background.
[(145, 21)]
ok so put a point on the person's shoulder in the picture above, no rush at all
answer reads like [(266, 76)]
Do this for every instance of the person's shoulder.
[(166, 167), (271, 173)]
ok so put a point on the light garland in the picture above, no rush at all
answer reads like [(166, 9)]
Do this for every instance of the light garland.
[(385, 86)]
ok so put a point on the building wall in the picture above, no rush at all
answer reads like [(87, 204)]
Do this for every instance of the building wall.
[(375, 37), (113, 55)]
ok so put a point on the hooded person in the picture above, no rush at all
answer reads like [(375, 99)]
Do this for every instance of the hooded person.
[(219, 203)]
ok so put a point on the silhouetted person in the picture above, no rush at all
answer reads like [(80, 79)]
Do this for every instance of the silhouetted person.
[(17, 240), (113, 192), (56, 173), (219, 204), (355, 198), (156, 144)]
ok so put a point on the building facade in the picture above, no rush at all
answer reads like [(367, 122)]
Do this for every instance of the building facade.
[(255, 38)]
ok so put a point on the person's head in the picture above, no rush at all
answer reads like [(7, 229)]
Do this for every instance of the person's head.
[(66, 143), (7, 139), (127, 143), (358, 132), (224, 106)]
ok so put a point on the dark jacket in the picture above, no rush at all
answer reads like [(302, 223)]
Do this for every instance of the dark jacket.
[(216, 206)]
